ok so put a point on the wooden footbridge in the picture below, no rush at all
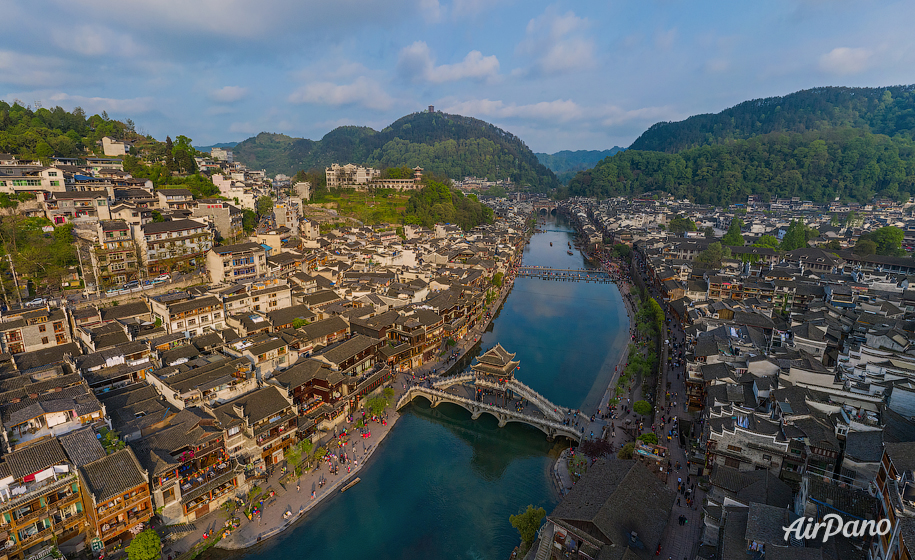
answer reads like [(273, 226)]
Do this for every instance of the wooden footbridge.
[(565, 274), (494, 372)]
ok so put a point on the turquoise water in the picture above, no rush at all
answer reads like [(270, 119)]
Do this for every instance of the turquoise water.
[(442, 486)]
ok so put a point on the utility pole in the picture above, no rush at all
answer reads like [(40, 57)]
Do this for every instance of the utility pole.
[(79, 257), (15, 279)]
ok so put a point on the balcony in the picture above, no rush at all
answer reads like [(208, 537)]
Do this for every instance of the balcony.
[(36, 537), (36, 489)]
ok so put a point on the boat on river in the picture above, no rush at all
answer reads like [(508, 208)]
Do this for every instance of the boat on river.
[(350, 485), (551, 243), (570, 252)]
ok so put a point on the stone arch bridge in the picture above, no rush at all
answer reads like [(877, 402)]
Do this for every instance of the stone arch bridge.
[(550, 423)]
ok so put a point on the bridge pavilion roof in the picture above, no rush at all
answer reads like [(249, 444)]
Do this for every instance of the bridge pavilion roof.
[(496, 361)]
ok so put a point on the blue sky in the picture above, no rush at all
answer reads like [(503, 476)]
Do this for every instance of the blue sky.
[(561, 75)]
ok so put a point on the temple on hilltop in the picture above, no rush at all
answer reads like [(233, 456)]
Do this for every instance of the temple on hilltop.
[(496, 362)]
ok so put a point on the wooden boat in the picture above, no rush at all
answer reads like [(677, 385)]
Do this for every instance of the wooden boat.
[(350, 485), (570, 252), (551, 243)]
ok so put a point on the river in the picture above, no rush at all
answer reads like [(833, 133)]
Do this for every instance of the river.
[(443, 485)]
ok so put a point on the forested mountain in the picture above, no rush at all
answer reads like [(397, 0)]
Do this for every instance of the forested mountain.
[(42, 133), (849, 163), (566, 163), (446, 145), (885, 110)]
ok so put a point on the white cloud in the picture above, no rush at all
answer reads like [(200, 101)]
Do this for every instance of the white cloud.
[(228, 94), (664, 40), (98, 104), (432, 11), (246, 127), (469, 8), (417, 63), (561, 110), (844, 60), (557, 43), (29, 70), (613, 115), (363, 91), (93, 40)]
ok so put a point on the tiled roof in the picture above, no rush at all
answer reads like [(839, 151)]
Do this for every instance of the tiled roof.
[(113, 475), (82, 446)]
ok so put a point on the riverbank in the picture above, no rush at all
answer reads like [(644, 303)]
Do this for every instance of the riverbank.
[(289, 506)]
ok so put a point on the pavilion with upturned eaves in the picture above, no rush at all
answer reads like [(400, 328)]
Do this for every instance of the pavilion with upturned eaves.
[(496, 362)]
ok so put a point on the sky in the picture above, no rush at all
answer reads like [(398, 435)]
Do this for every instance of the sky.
[(560, 75)]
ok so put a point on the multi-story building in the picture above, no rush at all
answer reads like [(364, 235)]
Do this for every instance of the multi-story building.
[(236, 263), (114, 255), (27, 330), (167, 246), (288, 213), (222, 154), (895, 492), (349, 176), (40, 501), (175, 199), (258, 426), (77, 206), (190, 472), (227, 219), (179, 313), (115, 491)]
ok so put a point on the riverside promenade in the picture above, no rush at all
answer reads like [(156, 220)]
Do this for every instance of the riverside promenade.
[(274, 518)]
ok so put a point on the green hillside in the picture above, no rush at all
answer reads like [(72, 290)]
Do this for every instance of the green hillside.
[(885, 110), (567, 163), (849, 163), (442, 144)]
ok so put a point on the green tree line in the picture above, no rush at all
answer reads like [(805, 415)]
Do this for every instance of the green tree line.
[(851, 164), (437, 203)]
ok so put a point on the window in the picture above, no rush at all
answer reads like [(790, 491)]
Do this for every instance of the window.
[(735, 448), (767, 457), (44, 340), (234, 430), (52, 173), (168, 495), (55, 183), (733, 463), (42, 328), (61, 338)]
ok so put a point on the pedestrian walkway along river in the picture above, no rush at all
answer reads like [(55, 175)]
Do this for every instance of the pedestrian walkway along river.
[(442, 485)]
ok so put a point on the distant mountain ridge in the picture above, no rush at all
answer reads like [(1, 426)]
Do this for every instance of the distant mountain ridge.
[(443, 144), (882, 110), (817, 144), (568, 162)]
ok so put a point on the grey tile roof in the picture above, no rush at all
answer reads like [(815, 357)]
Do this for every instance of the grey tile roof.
[(616, 497), (113, 475), (82, 446), (864, 446), (36, 457)]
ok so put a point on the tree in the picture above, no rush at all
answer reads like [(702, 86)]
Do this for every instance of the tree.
[(864, 247), (733, 236), (648, 438), (888, 240), (376, 405), (712, 257), (249, 220), (264, 205), (642, 408), (834, 244), (709, 232), (797, 236), (497, 280), (769, 241), (526, 522), (622, 250), (145, 546), (626, 451), (680, 224)]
